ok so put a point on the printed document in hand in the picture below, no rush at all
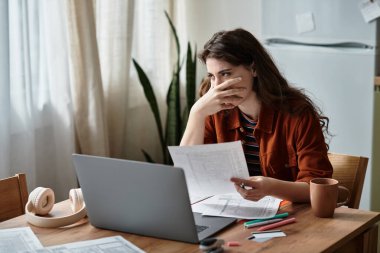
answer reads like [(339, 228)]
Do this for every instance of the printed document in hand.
[(209, 167), (233, 205)]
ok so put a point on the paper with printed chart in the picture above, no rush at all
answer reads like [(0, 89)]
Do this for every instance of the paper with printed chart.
[(233, 205), (107, 244), (17, 240), (14, 240), (102, 245), (209, 167)]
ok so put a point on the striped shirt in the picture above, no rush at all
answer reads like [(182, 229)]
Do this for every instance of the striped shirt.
[(250, 145)]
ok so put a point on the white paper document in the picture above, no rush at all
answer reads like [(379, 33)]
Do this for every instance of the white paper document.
[(103, 245), (107, 244), (18, 240), (233, 205), (208, 168)]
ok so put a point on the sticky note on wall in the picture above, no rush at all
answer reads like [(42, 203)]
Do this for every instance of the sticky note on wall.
[(370, 9), (305, 22)]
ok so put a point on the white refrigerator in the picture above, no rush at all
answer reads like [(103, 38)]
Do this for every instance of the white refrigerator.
[(328, 49)]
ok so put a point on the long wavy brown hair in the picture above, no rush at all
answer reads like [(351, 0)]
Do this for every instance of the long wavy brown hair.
[(240, 47)]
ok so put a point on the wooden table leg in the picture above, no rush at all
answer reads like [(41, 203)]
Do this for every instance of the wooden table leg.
[(370, 240)]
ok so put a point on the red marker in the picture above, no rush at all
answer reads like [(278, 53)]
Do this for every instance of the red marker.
[(233, 243), (277, 224)]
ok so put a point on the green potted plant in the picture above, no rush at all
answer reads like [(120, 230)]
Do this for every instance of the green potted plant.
[(176, 117)]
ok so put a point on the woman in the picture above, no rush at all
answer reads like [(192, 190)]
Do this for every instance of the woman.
[(246, 98)]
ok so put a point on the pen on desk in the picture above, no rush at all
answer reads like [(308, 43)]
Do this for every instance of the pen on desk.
[(280, 215), (254, 234), (278, 224), (265, 232), (251, 237), (256, 224)]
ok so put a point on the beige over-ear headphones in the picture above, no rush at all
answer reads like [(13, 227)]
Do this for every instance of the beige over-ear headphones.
[(41, 201)]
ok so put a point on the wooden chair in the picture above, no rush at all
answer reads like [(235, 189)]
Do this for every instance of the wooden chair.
[(350, 172), (13, 196)]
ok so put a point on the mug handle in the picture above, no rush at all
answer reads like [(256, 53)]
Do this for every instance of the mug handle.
[(348, 196)]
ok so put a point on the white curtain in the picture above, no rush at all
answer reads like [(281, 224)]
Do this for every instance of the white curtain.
[(91, 126), (152, 48), (4, 90), (67, 83), (114, 32), (36, 131)]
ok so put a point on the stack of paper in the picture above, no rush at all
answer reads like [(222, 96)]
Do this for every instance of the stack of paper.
[(233, 205)]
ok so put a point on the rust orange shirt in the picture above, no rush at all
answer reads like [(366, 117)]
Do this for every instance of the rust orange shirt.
[(292, 147)]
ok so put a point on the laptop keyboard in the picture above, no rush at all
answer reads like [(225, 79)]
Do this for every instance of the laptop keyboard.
[(200, 228)]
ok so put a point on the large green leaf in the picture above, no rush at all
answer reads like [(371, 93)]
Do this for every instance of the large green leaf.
[(148, 158), (175, 37), (173, 119), (173, 124), (185, 118), (191, 65), (150, 96)]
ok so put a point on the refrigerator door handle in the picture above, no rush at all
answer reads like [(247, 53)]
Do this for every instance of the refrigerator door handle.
[(335, 45)]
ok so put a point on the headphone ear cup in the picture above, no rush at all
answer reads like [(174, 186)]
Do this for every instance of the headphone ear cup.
[(41, 200), (76, 199)]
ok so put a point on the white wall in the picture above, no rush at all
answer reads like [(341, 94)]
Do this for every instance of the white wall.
[(215, 15)]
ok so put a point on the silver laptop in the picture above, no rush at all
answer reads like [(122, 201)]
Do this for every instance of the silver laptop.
[(142, 198)]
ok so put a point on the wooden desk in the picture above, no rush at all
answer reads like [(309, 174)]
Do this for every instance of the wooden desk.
[(350, 230)]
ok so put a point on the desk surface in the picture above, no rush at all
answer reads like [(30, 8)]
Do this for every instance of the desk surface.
[(308, 234)]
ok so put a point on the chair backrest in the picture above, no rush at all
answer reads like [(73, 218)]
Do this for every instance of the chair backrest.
[(13, 196), (350, 172)]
